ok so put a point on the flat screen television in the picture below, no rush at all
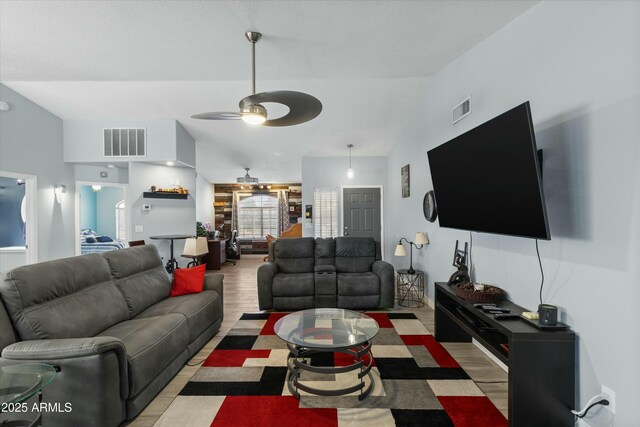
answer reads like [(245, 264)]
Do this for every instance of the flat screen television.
[(489, 178)]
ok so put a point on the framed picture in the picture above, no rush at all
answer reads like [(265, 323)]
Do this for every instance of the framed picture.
[(405, 181)]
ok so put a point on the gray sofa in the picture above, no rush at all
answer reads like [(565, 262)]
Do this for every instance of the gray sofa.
[(108, 323), (345, 272)]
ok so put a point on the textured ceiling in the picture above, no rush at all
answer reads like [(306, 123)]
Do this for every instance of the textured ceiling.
[(365, 60)]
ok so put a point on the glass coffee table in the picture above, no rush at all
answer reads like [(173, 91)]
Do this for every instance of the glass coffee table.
[(20, 382), (328, 330)]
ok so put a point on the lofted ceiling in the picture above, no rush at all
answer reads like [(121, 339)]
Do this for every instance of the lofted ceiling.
[(367, 62)]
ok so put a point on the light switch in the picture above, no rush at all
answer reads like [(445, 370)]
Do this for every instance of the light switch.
[(139, 229)]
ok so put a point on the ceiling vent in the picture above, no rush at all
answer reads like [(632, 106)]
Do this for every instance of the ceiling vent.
[(125, 142), (461, 110)]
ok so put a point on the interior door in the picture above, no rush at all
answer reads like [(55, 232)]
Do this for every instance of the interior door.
[(361, 212)]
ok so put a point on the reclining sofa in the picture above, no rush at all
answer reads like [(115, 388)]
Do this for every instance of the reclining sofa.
[(343, 272), (107, 322)]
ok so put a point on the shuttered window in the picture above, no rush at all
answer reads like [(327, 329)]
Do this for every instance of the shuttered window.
[(325, 215)]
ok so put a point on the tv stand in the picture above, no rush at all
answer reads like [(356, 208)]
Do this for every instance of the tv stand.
[(541, 363)]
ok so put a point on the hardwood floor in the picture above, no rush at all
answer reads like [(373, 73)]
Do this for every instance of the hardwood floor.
[(241, 296)]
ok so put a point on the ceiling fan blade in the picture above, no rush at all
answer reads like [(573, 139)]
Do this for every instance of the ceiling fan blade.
[(218, 116), (302, 107)]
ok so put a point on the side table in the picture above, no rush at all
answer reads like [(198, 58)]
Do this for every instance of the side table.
[(410, 288)]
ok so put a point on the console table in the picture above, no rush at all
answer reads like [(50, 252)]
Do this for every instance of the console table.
[(217, 254), (541, 363)]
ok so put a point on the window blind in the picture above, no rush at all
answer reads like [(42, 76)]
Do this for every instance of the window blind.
[(325, 215)]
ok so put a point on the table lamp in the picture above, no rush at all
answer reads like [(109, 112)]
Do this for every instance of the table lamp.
[(420, 240), (195, 248)]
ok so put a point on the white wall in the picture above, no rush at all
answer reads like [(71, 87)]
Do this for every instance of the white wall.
[(83, 139), (167, 216), (185, 147), (332, 172), (91, 173), (579, 65), (31, 143), (204, 200)]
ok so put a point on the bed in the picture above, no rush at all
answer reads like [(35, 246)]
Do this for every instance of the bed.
[(95, 247)]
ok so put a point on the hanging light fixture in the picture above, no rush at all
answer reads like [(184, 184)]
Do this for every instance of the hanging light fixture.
[(247, 179), (350, 173)]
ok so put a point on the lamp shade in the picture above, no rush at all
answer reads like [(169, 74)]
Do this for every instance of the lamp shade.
[(195, 247), (421, 238), (400, 250)]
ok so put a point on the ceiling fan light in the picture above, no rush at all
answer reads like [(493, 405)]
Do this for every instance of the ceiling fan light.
[(254, 114), (253, 119)]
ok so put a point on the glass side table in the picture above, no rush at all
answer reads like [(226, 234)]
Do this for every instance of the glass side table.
[(410, 288), (20, 382)]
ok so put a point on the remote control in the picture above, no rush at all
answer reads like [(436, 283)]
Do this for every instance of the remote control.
[(505, 316)]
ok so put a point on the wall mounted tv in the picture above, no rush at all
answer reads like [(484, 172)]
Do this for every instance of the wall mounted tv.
[(489, 178)]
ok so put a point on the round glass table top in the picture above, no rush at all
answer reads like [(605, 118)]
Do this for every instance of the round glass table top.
[(20, 382), (326, 328)]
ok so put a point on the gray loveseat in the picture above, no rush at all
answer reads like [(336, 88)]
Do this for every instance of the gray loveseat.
[(345, 272), (107, 322)]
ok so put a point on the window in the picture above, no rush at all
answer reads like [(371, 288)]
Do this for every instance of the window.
[(121, 224), (325, 215), (257, 216)]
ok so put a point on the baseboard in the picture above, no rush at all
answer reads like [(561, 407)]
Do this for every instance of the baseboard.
[(431, 303), (490, 355)]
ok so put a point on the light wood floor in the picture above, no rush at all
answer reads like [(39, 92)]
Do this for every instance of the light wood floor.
[(241, 296)]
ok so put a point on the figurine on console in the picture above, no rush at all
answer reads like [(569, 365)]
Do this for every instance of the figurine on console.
[(460, 262)]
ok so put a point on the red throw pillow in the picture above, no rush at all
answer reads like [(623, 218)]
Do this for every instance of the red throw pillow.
[(188, 280)]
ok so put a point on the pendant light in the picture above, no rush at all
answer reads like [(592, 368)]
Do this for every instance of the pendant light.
[(350, 173)]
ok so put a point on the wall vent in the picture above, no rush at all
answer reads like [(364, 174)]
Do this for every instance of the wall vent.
[(125, 142), (461, 110)]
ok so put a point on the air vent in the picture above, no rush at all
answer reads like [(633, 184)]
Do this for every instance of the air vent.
[(461, 110), (125, 142)]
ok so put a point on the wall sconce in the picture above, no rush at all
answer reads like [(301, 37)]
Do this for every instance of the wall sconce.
[(58, 190), (420, 240)]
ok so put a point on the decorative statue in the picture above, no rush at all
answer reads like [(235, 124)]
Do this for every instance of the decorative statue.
[(460, 261)]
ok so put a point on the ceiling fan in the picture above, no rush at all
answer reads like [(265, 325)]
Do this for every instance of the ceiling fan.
[(302, 107)]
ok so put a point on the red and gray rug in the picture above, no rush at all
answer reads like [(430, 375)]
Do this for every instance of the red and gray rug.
[(417, 383)]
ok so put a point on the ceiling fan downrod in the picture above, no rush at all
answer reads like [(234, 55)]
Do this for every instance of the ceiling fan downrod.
[(253, 37)]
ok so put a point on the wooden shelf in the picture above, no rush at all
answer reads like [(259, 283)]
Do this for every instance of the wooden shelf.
[(162, 195)]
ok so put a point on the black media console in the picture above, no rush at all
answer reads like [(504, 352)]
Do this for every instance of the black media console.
[(541, 363)]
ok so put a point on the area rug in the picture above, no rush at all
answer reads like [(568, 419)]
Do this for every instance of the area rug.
[(416, 383)]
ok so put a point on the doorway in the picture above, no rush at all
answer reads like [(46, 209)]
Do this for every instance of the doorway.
[(102, 217), (18, 210), (362, 212)]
